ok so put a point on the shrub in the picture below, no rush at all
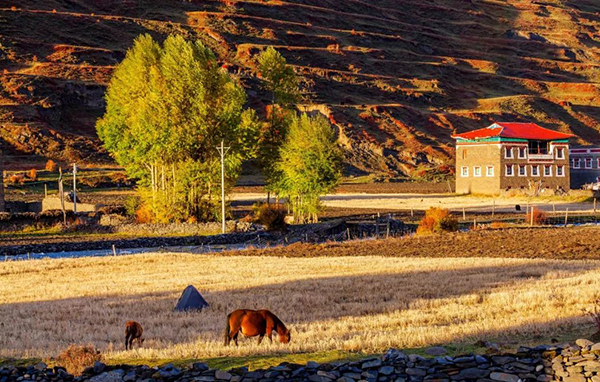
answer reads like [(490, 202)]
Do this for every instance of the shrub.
[(51, 165), (272, 216), (132, 204), (498, 225), (15, 179), (143, 215), (539, 216), (437, 220), (76, 358), (32, 174)]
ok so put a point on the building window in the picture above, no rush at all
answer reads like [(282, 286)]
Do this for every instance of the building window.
[(522, 152), (509, 170), (464, 171), (588, 162), (535, 170), (547, 170), (508, 152), (489, 171), (522, 170), (576, 163), (560, 170), (560, 153), (477, 171)]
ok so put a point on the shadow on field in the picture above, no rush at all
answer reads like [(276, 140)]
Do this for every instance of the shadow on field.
[(53, 325)]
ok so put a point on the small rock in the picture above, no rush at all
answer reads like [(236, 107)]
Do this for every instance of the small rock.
[(99, 367), (539, 368), (596, 346), (372, 364), (223, 375), (415, 371), (582, 342), (504, 377), (386, 370), (113, 376), (312, 365), (199, 366), (318, 378), (41, 366), (436, 351)]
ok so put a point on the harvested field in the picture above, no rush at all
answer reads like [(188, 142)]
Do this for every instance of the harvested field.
[(351, 303)]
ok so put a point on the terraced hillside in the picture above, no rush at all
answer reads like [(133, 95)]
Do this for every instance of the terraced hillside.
[(396, 77)]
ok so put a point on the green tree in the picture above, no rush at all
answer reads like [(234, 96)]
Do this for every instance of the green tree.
[(309, 166), (168, 107), (280, 80)]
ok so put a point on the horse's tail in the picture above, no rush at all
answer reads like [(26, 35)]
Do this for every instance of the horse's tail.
[(227, 330)]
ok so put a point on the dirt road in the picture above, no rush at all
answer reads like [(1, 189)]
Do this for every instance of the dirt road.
[(420, 202)]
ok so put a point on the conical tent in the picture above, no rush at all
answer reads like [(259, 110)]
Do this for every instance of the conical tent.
[(190, 300)]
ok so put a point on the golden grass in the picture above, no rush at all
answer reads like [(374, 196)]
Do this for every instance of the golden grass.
[(363, 303)]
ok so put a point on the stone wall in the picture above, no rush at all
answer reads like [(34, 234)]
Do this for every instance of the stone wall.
[(567, 363)]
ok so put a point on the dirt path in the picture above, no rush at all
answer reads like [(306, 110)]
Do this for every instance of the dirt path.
[(420, 202)]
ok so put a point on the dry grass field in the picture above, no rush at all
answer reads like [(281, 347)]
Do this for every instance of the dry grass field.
[(351, 303)]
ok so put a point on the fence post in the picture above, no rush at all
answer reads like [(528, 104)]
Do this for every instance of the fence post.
[(387, 233), (114, 250), (554, 207), (412, 212), (594, 206), (531, 217), (493, 208), (566, 216), (464, 214)]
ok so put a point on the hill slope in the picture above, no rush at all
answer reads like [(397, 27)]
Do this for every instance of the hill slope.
[(396, 77)]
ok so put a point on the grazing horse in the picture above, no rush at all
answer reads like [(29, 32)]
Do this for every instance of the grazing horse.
[(254, 323), (133, 331)]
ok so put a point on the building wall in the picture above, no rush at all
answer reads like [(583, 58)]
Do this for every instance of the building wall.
[(477, 155), (581, 175), (2, 203), (522, 182), (482, 155)]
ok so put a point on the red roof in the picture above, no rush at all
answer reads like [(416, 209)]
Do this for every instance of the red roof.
[(514, 130)]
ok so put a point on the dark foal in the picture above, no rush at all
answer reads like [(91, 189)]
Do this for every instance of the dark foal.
[(133, 331)]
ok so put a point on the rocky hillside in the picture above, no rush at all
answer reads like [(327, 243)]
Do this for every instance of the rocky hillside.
[(396, 77)]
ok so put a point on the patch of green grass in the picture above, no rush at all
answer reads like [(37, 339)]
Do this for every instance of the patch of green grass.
[(252, 362), (19, 361)]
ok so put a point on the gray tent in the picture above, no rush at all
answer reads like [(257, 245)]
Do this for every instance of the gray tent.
[(190, 300)]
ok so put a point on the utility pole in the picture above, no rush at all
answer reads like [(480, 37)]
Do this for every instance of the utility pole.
[(61, 195), (223, 150), (74, 188)]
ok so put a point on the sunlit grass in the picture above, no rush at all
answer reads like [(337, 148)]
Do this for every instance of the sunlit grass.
[(362, 304)]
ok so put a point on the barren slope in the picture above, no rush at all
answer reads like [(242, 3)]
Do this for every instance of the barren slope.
[(396, 77)]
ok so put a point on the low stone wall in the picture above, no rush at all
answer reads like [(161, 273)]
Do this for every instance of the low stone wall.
[(569, 363)]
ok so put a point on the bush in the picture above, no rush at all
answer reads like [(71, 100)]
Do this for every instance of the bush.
[(437, 220), (51, 165), (76, 358), (15, 179), (272, 216), (32, 175), (143, 215), (539, 216)]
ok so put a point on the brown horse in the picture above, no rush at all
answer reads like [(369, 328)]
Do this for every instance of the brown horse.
[(254, 323), (133, 331)]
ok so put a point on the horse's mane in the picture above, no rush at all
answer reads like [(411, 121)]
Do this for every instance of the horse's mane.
[(278, 323)]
